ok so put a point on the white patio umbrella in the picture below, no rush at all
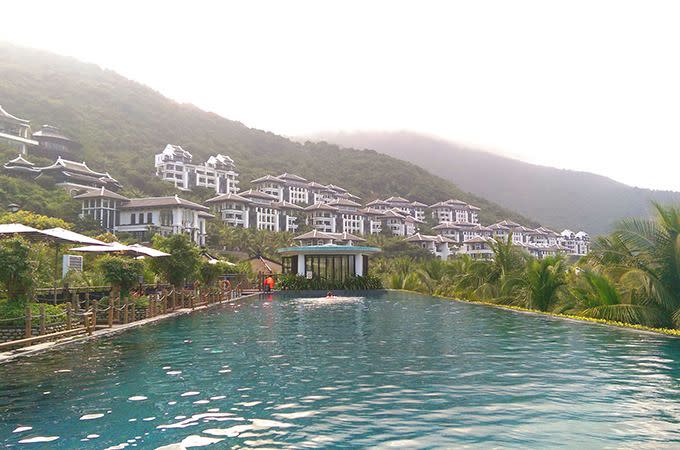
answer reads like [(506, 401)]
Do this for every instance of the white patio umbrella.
[(57, 236), (117, 247)]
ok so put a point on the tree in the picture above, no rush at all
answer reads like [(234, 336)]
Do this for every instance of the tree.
[(17, 267), (209, 273), (34, 220), (183, 262), (120, 271), (542, 281), (601, 298)]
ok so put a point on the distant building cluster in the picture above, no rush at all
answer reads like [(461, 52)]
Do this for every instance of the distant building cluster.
[(284, 202)]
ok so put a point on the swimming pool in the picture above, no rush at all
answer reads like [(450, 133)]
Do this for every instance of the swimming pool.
[(392, 369)]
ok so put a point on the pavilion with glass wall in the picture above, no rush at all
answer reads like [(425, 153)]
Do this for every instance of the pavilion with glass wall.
[(329, 262)]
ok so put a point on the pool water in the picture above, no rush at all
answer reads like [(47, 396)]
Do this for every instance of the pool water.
[(392, 369)]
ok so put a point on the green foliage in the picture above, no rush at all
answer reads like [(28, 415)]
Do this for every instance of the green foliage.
[(17, 310), (294, 282), (34, 220), (183, 262), (542, 281), (17, 267), (208, 274), (120, 271)]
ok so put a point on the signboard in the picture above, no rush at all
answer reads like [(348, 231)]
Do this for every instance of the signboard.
[(310, 274)]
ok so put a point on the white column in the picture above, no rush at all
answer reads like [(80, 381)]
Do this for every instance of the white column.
[(359, 265), (301, 265)]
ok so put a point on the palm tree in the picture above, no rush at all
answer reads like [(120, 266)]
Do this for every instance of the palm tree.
[(604, 299), (542, 282), (654, 250)]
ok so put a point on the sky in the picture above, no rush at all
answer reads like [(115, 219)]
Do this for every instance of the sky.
[(584, 85)]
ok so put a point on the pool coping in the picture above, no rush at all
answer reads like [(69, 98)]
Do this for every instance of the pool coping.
[(12, 355)]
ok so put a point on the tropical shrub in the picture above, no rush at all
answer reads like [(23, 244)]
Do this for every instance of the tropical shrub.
[(294, 282), (183, 262), (120, 271), (17, 267)]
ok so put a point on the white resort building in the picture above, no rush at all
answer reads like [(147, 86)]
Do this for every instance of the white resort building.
[(174, 165)]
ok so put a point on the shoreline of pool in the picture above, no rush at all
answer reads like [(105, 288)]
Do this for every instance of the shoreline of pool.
[(31, 350)]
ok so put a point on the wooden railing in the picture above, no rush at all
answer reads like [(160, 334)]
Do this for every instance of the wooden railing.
[(86, 316)]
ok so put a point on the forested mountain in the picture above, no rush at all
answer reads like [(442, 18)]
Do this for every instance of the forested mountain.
[(555, 197), (122, 124)]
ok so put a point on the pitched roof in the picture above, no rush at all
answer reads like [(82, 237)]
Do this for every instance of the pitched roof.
[(318, 206), (345, 236), (177, 151), (286, 205), (477, 240), (397, 200), (336, 188), (344, 202), (371, 211), (268, 178), (73, 166), (314, 234), (418, 204), (291, 177), (155, 202), (19, 161), (205, 215), (100, 193), (315, 185), (258, 194), (418, 237), (377, 201), (229, 196)]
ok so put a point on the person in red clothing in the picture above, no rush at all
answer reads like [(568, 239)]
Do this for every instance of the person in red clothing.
[(269, 283)]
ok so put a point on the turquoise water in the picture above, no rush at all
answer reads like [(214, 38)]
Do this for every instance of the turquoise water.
[(394, 369)]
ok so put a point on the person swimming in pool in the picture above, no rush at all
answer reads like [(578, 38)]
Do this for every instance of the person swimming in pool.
[(329, 294)]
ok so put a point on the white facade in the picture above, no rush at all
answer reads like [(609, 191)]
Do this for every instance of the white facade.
[(174, 165)]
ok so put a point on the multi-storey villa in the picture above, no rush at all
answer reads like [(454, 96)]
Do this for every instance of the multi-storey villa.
[(372, 220), (264, 215), (577, 243), (398, 223), (322, 217), (143, 217), (349, 217), (440, 246), (174, 165), (232, 209), (455, 211), (477, 248)]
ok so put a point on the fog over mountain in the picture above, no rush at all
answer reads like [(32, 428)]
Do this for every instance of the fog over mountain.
[(555, 197)]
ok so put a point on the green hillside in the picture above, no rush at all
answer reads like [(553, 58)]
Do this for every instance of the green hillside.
[(122, 124), (555, 197)]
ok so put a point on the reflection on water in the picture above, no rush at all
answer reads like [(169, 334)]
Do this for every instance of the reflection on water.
[(390, 370)]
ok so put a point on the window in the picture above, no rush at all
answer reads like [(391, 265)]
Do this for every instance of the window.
[(133, 219), (149, 218), (166, 218)]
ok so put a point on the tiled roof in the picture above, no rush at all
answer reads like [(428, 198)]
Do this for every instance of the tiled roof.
[(101, 193), (286, 205), (19, 161), (48, 131), (345, 236), (155, 202), (344, 202), (268, 178), (314, 234), (371, 212), (258, 194), (378, 202), (397, 200), (291, 177), (230, 196), (321, 207)]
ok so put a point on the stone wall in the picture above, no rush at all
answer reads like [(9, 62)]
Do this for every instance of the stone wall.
[(16, 333)]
